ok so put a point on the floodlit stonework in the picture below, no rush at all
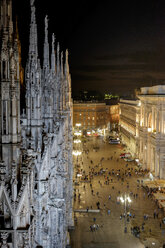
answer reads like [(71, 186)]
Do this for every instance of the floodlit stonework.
[(129, 124), (142, 128), (36, 156), (152, 129)]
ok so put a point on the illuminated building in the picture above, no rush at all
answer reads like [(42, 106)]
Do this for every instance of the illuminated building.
[(152, 129), (36, 156), (142, 128), (128, 124), (91, 115)]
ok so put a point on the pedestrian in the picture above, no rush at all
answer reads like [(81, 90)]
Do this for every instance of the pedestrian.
[(94, 219), (160, 225), (109, 211), (154, 214), (97, 226)]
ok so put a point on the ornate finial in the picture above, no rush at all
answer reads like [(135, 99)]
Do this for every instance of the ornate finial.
[(62, 63), (66, 63), (53, 39), (53, 54), (58, 58), (66, 54), (32, 2), (46, 24), (58, 48)]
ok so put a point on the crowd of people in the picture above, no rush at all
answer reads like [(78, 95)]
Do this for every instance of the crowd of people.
[(118, 181)]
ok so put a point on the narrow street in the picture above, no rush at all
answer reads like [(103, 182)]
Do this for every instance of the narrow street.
[(102, 225)]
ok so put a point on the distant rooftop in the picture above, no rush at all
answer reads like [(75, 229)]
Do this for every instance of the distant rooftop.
[(153, 90)]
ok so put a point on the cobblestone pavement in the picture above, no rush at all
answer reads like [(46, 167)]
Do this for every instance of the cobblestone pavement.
[(110, 232)]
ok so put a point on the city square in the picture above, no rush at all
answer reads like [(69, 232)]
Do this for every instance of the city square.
[(99, 155)]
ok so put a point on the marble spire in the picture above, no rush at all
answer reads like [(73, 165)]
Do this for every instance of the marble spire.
[(53, 59), (46, 45), (66, 63), (33, 48)]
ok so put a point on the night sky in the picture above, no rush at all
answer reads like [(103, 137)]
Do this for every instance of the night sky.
[(114, 46)]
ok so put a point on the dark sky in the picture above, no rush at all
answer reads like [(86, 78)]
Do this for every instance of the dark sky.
[(114, 46)]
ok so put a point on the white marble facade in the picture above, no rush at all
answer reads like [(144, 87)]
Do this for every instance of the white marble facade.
[(142, 128), (36, 156), (152, 129)]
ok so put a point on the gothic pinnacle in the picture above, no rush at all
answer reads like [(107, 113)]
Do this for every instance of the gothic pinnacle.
[(33, 49), (32, 2), (61, 64), (46, 45), (53, 54), (58, 58), (66, 63)]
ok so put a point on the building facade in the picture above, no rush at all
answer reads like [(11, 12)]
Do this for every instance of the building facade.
[(91, 115), (152, 129), (35, 148), (113, 116), (129, 124), (142, 128)]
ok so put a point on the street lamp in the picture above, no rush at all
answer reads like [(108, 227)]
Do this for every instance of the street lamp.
[(124, 200), (76, 153), (78, 133), (78, 124), (77, 141)]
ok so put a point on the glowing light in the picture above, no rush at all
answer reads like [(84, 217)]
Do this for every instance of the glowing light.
[(151, 176), (77, 141), (76, 153), (78, 124), (129, 199), (78, 133), (125, 199), (149, 129)]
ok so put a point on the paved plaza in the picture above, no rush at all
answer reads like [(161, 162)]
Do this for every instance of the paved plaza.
[(106, 188)]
